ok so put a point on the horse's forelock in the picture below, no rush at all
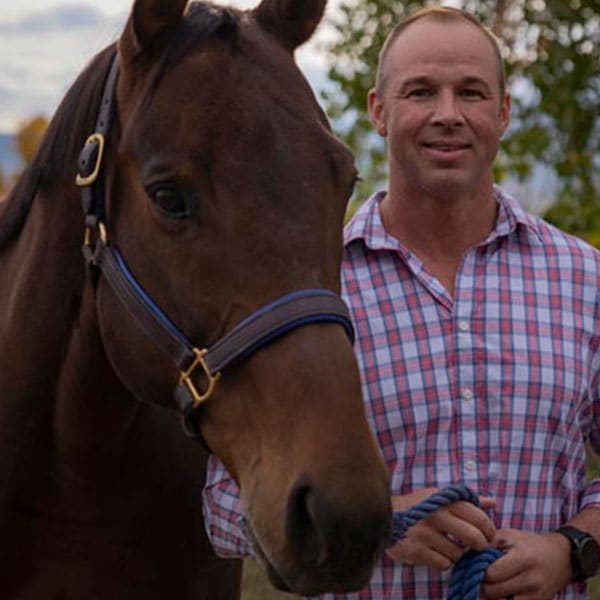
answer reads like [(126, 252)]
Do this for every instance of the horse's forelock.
[(203, 21)]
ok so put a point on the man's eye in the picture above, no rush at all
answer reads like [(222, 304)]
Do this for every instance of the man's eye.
[(471, 93), (419, 93)]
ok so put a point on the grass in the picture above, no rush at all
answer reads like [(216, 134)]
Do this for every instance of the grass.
[(256, 586)]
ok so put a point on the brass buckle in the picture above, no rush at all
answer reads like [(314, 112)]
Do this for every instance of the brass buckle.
[(185, 377), (89, 179), (88, 235)]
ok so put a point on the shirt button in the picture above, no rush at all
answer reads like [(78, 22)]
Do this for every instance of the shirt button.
[(463, 325), (470, 465), (468, 394)]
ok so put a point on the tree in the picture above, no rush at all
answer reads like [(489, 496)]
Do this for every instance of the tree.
[(29, 136), (552, 52)]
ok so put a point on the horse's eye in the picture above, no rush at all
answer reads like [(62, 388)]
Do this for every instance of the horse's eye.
[(170, 200)]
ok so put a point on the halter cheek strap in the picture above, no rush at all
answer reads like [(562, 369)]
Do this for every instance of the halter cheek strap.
[(270, 322)]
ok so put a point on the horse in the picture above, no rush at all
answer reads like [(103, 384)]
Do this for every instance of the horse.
[(192, 164)]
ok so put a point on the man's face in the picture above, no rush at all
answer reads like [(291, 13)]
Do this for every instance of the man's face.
[(441, 108)]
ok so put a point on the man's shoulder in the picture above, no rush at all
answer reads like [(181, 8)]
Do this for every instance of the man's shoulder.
[(566, 243), (549, 238)]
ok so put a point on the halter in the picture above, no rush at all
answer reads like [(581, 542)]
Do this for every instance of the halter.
[(268, 323)]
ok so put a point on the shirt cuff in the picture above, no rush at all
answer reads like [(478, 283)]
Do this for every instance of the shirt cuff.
[(591, 495), (223, 513)]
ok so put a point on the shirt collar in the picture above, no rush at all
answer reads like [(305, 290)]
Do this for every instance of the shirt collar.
[(512, 218), (366, 223)]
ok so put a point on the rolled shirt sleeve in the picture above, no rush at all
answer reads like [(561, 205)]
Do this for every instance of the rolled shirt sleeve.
[(223, 514), (591, 494)]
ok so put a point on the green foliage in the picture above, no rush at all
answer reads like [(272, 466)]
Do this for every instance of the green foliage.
[(361, 28), (552, 54)]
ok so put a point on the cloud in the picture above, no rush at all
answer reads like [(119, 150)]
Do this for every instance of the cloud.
[(58, 18), (41, 54)]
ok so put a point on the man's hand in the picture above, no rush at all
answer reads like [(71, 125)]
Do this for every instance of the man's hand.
[(441, 539), (535, 566)]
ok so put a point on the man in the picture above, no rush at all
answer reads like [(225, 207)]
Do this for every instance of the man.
[(478, 336)]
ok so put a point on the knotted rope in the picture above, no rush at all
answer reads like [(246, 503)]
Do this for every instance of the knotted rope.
[(469, 571)]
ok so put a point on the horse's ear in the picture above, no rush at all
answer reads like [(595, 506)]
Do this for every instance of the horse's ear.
[(291, 21), (150, 25)]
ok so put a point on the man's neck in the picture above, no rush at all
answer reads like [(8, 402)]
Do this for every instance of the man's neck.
[(439, 229)]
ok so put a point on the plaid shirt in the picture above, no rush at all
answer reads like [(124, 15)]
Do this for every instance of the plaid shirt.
[(497, 388)]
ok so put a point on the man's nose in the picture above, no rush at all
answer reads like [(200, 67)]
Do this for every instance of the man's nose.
[(447, 111)]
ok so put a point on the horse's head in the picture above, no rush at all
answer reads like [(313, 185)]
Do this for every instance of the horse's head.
[(226, 190)]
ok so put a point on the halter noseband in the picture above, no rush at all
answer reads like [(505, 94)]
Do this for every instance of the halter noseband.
[(293, 310)]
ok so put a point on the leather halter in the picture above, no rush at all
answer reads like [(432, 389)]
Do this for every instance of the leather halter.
[(292, 310)]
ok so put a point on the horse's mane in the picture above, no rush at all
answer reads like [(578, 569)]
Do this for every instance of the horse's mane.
[(75, 117), (60, 147)]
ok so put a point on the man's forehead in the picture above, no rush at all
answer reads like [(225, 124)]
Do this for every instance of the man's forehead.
[(430, 43)]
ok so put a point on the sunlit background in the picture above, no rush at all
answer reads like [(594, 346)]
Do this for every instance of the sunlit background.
[(45, 43)]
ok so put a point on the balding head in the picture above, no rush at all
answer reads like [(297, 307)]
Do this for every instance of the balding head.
[(440, 14)]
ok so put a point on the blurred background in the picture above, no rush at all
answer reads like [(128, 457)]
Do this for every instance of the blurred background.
[(550, 156)]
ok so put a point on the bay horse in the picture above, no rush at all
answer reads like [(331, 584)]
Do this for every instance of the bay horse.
[(210, 200)]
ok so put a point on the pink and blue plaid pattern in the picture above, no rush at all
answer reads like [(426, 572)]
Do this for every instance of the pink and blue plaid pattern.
[(497, 388)]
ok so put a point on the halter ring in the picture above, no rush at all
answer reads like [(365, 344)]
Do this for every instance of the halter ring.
[(186, 378)]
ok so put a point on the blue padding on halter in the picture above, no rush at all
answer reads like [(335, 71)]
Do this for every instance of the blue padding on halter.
[(311, 319), (150, 304), (162, 318), (290, 325)]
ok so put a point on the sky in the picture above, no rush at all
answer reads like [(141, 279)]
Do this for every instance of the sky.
[(45, 43)]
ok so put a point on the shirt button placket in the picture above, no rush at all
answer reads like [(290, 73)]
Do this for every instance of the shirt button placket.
[(469, 437)]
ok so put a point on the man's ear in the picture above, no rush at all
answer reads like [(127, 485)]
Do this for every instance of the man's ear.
[(376, 112), (505, 113)]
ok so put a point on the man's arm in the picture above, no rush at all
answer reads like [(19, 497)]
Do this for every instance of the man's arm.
[(222, 509), (539, 565)]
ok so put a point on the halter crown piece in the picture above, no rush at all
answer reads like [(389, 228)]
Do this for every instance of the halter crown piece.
[(301, 307)]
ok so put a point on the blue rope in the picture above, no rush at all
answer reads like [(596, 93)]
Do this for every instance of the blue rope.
[(469, 571)]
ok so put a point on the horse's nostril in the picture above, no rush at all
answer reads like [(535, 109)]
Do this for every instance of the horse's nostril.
[(303, 529)]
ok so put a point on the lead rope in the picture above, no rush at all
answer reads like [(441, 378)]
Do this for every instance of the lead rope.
[(469, 571)]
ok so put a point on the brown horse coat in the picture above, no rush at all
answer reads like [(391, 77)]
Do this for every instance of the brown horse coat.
[(99, 488)]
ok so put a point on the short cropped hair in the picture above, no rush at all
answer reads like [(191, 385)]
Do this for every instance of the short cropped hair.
[(444, 14)]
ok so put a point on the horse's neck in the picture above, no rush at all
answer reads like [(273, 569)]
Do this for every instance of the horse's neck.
[(41, 279), (52, 366)]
